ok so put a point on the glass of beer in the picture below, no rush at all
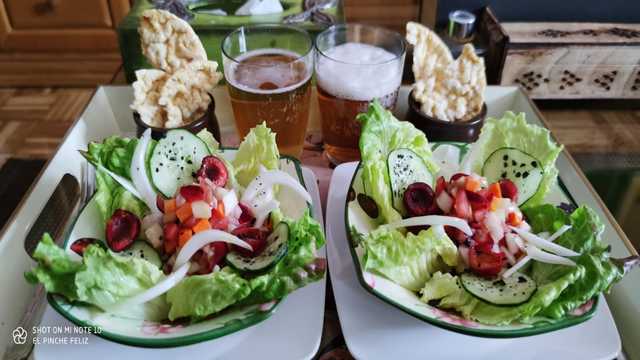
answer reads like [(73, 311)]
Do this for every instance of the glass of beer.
[(354, 65), (268, 70)]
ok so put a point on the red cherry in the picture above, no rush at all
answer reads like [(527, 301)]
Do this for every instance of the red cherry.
[(214, 169), (509, 189), (192, 193), (419, 199), (122, 230), (80, 245)]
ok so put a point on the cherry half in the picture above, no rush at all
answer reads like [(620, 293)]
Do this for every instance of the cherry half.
[(122, 230), (214, 169), (419, 199)]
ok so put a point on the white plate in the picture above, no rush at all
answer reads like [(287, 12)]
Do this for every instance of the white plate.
[(375, 330), (300, 316)]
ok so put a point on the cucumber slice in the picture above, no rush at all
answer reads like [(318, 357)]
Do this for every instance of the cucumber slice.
[(405, 168), (514, 290), (144, 251), (175, 160), (276, 249), (523, 169)]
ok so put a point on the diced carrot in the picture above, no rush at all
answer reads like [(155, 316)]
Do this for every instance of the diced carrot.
[(495, 190), (184, 212), (169, 217), (472, 184), (201, 225), (514, 219), (183, 236), (495, 203), (170, 206), (218, 212)]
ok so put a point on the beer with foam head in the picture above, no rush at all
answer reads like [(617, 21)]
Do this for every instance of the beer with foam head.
[(273, 85), (350, 74)]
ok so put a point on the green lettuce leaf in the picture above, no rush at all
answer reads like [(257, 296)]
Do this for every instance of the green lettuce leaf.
[(513, 131), (409, 260), (110, 196), (207, 138), (258, 148), (102, 278), (114, 153), (299, 267), (201, 295), (382, 133), (55, 270), (560, 288)]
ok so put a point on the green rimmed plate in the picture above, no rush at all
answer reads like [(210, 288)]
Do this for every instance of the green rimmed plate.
[(137, 331), (407, 301)]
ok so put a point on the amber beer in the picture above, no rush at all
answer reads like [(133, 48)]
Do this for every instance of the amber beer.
[(349, 76), (269, 85)]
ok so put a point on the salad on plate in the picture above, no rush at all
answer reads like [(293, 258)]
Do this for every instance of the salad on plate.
[(187, 233), (469, 230)]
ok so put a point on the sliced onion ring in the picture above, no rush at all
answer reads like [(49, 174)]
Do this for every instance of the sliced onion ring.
[(563, 229), (433, 220), (138, 172), (544, 243), (269, 178), (125, 183), (203, 238), (522, 262), (158, 289), (539, 255)]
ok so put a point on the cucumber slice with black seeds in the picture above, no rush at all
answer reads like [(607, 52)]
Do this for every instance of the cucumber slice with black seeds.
[(175, 160), (405, 168), (514, 290), (524, 170), (276, 249), (143, 251)]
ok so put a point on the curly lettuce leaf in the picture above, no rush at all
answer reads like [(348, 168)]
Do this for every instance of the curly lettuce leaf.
[(382, 133), (201, 295), (102, 278), (409, 260), (114, 153), (299, 267), (513, 131), (258, 148)]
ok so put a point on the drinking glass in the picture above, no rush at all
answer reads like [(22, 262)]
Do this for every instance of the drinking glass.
[(354, 64), (268, 70)]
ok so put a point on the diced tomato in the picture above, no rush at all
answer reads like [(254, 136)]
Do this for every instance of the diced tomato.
[(183, 236), (495, 190), (184, 212), (219, 223), (477, 201), (461, 206), (514, 219), (169, 218), (254, 237), (485, 193), (170, 234), (485, 263), (201, 225), (192, 193), (479, 215), (189, 223), (472, 184), (160, 203), (246, 217), (441, 185), (509, 189), (218, 211), (170, 206)]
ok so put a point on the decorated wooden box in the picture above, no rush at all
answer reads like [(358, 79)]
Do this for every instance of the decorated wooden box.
[(573, 60), (214, 19)]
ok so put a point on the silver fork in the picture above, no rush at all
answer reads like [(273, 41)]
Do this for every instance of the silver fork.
[(88, 183)]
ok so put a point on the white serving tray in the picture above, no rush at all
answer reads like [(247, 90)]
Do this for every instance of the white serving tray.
[(300, 316), (374, 329)]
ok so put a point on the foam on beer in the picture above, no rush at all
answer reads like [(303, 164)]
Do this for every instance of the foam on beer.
[(285, 76), (359, 72)]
